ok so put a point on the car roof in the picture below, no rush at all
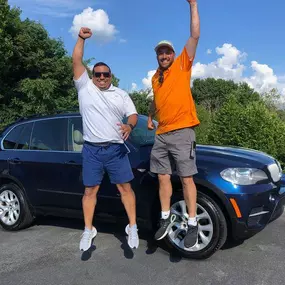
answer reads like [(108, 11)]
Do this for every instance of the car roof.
[(41, 117)]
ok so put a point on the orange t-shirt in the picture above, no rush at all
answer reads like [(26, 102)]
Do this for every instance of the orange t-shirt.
[(174, 104)]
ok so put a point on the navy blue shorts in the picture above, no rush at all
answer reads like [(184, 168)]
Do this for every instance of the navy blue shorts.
[(112, 159)]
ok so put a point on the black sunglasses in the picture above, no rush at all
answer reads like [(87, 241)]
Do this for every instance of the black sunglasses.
[(161, 77), (105, 74)]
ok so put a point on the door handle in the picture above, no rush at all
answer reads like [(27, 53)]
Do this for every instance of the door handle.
[(71, 162), (14, 160)]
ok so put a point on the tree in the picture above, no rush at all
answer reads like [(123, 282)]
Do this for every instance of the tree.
[(204, 129), (252, 126), (142, 101), (213, 93), (36, 75)]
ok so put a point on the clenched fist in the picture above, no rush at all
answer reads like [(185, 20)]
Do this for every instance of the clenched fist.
[(192, 1), (85, 33)]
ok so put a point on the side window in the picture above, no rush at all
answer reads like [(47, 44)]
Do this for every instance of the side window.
[(19, 137), (75, 134), (25, 137), (140, 134), (49, 135)]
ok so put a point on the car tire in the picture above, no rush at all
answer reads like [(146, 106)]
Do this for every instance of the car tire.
[(19, 208), (216, 221)]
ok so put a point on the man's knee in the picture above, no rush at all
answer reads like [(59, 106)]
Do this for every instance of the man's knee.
[(91, 192), (164, 178), (187, 181), (124, 188)]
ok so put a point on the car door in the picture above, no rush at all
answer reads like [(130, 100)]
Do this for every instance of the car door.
[(108, 198), (15, 150), (46, 159)]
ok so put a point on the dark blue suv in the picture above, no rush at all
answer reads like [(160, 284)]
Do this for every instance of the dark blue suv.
[(239, 190)]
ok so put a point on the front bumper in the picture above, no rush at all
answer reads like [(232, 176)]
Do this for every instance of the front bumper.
[(258, 210)]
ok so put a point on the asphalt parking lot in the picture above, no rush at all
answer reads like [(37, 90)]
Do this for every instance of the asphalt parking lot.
[(48, 253)]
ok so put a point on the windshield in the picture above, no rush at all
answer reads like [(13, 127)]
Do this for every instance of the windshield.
[(141, 135)]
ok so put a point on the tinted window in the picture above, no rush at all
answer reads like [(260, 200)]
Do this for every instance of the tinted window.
[(75, 134), (25, 137), (49, 135), (140, 134), (19, 137)]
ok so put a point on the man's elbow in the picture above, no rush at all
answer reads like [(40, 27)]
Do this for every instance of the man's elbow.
[(196, 37)]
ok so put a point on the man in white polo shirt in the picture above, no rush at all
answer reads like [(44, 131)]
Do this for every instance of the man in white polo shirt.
[(103, 107)]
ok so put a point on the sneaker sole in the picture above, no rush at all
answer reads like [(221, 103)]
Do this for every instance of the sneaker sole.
[(165, 233), (93, 236), (192, 245)]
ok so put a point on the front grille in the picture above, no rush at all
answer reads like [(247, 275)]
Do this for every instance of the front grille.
[(275, 172)]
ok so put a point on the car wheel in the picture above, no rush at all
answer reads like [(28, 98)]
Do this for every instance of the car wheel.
[(212, 228), (15, 213)]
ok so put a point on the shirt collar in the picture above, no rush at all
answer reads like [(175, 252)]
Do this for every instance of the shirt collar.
[(111, 88)]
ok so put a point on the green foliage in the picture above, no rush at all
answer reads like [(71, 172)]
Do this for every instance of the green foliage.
[(252, 126), (142, 101), (35, 71), (213, 93), (203, 130), (115, 80)]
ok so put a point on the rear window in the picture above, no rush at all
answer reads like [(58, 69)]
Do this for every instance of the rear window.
[(19, 137), (141, 135)]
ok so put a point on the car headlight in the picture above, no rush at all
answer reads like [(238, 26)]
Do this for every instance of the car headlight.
[(243, 176)]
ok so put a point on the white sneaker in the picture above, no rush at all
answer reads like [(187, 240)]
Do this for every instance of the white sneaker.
[(86, 238), (133, 238)]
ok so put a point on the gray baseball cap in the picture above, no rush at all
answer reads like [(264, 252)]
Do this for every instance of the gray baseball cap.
[(164, 43)]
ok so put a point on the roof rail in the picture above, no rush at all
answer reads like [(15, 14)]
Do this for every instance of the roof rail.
[(75, 110)]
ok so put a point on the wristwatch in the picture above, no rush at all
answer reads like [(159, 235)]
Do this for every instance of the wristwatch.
[(132, 126)]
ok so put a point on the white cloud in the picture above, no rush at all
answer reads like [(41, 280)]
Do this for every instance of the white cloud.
[(122, 41), (134, 87), (98, 22), (263, 77), (209, 51), (230, 65), (147, 80)]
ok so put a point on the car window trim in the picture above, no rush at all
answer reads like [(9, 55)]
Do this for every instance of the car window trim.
[(34, 121)]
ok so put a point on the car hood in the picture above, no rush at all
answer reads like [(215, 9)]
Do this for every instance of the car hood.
[(234, 154)]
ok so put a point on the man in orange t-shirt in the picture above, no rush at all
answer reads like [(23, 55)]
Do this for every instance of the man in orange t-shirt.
[(175, 136)]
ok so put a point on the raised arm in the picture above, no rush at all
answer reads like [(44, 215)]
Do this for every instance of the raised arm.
[(192, 42), (77, 56)]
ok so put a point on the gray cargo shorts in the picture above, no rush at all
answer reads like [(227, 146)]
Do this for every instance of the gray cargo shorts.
[(175, 150)]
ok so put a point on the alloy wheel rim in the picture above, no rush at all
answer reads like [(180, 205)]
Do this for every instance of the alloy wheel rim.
[(179, 227), (9, 208)]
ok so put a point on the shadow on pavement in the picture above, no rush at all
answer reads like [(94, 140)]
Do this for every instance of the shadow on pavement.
[(128, 252), (86, 255), (117, 229), (231, 244)]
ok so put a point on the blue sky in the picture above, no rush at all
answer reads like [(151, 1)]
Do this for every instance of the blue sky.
[(240, 40)]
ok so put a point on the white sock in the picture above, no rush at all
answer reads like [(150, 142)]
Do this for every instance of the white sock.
[(192, 221), (165, 215)]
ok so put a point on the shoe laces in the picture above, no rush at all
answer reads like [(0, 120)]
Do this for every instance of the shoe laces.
[(133, 232), (192, 228), (86, 236)]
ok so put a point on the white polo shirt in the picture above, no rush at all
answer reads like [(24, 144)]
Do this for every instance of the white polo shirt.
[(101, 111)]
